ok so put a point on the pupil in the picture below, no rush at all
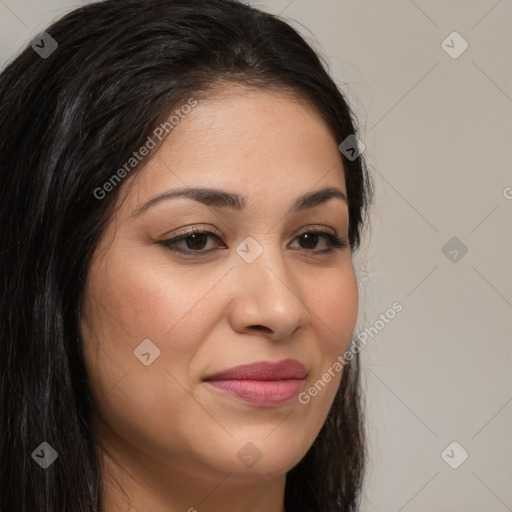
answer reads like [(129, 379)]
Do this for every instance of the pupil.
[(194, 238), (310, 237)]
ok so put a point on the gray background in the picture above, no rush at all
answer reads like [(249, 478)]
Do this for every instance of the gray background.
[(438, 139)]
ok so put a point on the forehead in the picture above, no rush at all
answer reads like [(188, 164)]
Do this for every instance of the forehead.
[(261, 142)]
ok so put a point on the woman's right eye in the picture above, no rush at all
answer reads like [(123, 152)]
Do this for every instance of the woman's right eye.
[(195, 241)]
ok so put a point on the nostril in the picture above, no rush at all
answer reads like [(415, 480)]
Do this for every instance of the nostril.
[(260, 327)]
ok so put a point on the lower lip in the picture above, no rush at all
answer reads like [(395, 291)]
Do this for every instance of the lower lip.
[(265, 393)]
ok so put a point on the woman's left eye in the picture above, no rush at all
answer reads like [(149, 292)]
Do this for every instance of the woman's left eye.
[(195, 241)]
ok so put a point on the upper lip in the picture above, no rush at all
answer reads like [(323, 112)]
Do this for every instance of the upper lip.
[(263, 370)]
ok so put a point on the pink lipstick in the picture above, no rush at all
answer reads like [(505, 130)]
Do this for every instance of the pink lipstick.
[(263, 384)]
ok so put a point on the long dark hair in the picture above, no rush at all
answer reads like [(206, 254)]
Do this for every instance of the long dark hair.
[(67, 123)]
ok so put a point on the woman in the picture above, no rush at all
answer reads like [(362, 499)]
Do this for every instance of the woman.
[(180, 209)]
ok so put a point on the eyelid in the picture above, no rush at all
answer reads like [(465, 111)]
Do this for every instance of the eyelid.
[(194, 229), (206, 227), (316, 227)]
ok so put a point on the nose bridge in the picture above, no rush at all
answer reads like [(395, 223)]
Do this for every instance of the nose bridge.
[(267, 290), (263, 262)]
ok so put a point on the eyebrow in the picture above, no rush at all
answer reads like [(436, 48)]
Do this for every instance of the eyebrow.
[(222, 199)]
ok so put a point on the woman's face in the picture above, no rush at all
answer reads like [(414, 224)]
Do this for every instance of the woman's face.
[(156, 322)]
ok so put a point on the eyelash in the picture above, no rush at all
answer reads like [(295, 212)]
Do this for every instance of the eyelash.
[(335, 241)]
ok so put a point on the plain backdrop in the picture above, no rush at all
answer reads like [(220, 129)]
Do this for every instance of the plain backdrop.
[(431, 85)]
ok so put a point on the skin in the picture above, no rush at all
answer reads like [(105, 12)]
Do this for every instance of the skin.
[(167, 442)]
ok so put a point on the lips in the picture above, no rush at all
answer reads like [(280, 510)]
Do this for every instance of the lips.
[(261, 384), (287, 369)]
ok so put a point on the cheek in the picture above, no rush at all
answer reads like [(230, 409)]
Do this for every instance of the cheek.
[(130, 298), (334, 306), (129, 301)]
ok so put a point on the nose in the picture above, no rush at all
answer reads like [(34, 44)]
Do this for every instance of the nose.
[(266, 296)]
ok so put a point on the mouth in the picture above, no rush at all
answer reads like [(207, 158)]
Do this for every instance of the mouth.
[(262, 384)]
